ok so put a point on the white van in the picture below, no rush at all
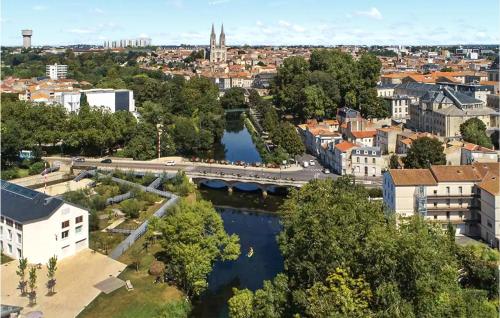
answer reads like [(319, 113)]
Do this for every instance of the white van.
[(170, 163)]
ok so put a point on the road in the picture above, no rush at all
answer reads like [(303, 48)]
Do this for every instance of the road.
[(210, 170)]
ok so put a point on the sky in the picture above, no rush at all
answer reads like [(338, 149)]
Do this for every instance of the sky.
[(253, 22)]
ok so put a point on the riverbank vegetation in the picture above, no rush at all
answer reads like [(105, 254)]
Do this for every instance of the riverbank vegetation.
[(345, 258)]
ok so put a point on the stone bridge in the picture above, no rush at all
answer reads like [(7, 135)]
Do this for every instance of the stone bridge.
[(230, 181)]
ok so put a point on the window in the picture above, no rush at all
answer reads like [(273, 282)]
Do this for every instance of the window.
[(365, 152), (447, 215), (489, 224), (448, 202), (79, 219), (357, 151), (78, 229), (19, 226), (10, 248), (366, 160), (9, 222), (460, 202), (1, 230), (10, 235), (374, 153), (64, 234), (65, 224), (19, 253), (435, 204), (19, 238), (435, 191), (435, 217), (447, 190), (373, 160), (460, 190), (357, 159), (2, 219)]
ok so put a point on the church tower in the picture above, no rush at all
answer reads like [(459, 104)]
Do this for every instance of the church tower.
[(222, 38), (213, 40), (218, 53)]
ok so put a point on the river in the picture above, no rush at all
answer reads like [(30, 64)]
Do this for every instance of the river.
[(246, 213)]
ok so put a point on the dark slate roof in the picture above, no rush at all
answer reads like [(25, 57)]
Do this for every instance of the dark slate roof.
[(461, 97), (24, 205), (418, 86), (386, 86)]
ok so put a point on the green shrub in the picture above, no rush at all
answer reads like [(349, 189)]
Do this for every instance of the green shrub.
[(175, 309), (9, 173), (131, 208), (37, 168), (98, 202)]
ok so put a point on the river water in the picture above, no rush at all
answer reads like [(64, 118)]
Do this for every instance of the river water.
[(246, 213)]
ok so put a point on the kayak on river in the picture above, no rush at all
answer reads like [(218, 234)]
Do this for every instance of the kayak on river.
[(250, 252)]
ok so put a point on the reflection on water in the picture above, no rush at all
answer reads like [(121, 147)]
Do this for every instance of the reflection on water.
[(256, 230)]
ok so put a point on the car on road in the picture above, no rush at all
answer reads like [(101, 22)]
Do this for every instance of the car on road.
[(169, 163), (79, 159), (312, 163), (107, 160), (305, 164), (326, 171)]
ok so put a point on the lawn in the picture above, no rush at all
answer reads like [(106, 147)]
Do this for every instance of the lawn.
[(146, 298), (105, 242)]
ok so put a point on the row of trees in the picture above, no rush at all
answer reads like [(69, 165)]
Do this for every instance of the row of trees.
[(28, 287), (345, 258), (330, 79)]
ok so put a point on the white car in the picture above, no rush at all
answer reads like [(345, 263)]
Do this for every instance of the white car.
[(305, 164), (170, 163), (326, 171), (312, 163)]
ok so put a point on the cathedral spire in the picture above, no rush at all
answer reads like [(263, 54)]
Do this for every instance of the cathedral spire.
[(213, 30), (222, 38), (213, 39)]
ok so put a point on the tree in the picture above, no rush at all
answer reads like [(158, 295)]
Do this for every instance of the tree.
[(193, 238), (131, 208), (447, 69), (241, 304), (21, 272), (394, 162), (474, 130), (32, 285), (315, 102), (233, 98), (425, 152), (51, 274), (342, 294), (136, 256), (287, 137)]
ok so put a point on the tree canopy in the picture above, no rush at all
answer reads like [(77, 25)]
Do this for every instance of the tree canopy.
[(345, 258), (425, 152), (193, 238), (474, 130), (331, 79)]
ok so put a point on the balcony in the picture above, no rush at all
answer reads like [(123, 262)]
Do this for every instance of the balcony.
[(449, 208), (452, 195)]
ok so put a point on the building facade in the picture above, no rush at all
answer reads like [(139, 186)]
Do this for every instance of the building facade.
[(56, 71), (366, 162), (112, 99), (37, 226), (218, 53), (448, 194)]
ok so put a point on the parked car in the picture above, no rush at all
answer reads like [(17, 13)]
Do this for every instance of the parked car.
[(326, 171), (312, 163), (305, 164), (50, 169), (107, 160), (79, 159), (169, 163)]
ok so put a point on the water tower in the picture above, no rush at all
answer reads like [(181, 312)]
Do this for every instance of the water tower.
[(27, 38)]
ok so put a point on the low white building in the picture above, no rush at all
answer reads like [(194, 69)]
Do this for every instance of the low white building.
[(70, 100), (56, 71), (113, 99), (38, 226), (367, 161)]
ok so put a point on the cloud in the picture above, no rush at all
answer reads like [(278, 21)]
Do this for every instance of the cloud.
[(298, 28), (39, 8), (217, 2), (176, 3), (259, 23), (373, 13), (284, 23)]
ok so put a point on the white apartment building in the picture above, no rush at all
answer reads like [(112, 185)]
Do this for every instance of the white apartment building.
[(399, 107), (113, 99), (56, 71), (465, 196), (366, 162), (37, 226)]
